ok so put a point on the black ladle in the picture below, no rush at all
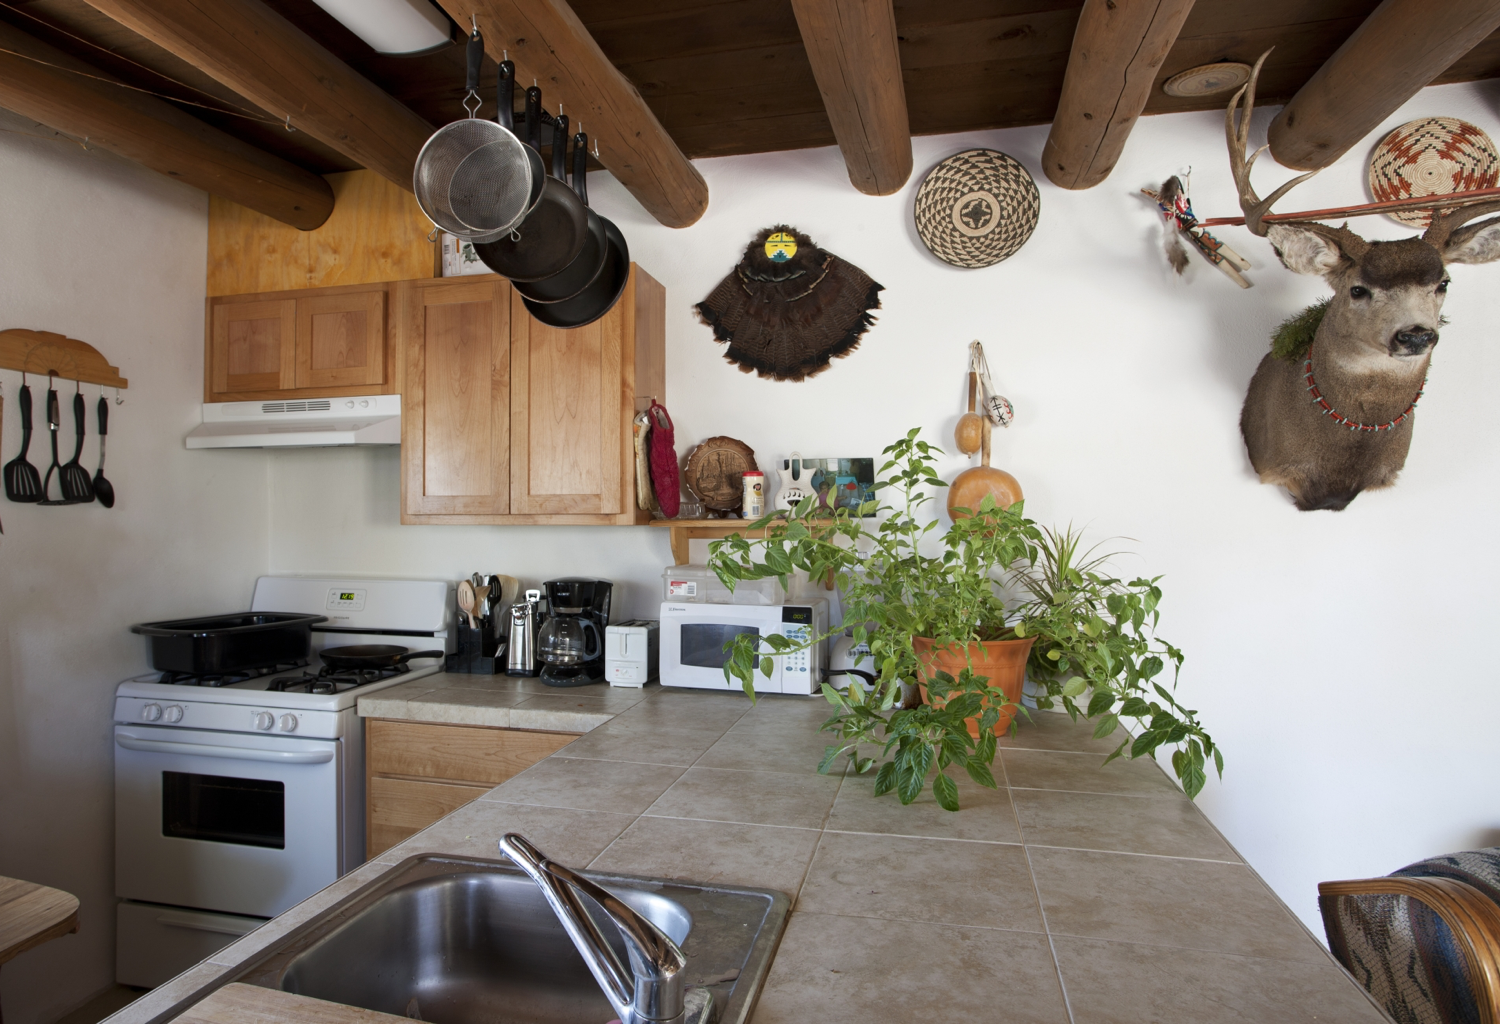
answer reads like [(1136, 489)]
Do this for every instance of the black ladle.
[(103, 489), (76, 485)]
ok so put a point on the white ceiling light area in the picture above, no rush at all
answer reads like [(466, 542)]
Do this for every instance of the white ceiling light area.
[(399, 27)]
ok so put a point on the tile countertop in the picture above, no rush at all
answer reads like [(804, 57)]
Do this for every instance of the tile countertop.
[(1075, 894)]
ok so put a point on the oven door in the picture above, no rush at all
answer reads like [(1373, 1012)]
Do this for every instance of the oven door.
[(693, 638), (237, 823)]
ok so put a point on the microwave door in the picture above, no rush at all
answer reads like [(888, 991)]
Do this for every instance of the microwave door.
[(692, 645)]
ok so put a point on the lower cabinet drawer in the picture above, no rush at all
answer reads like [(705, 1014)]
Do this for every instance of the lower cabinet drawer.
[(400, 808)]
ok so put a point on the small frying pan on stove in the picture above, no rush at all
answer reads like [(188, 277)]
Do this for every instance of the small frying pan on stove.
[(372, 656)]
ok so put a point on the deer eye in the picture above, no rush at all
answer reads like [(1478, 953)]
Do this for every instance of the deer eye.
[(1359, 291), (1442, 287)]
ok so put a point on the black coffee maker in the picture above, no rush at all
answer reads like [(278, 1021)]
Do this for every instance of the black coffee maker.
[(570, 645)]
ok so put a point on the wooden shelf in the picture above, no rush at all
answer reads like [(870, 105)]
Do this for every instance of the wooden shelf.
[(43, 353), (685, 530)]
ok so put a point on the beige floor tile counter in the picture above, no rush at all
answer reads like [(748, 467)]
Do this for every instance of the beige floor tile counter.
[(1075, 894)]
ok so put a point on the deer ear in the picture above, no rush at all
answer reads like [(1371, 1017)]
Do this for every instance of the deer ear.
[(1303, 251), (1474, 243)]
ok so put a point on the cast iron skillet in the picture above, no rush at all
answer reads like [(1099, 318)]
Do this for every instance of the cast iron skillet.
[(556, 230), (599, 297), (372, 656)]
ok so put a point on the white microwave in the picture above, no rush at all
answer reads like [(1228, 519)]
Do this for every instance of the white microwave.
[(693, 638)]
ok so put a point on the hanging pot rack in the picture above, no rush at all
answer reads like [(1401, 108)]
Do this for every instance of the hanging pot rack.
[(47, 354)]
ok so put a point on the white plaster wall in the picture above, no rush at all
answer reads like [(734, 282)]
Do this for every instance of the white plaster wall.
[(1342, 659), (109, 252)]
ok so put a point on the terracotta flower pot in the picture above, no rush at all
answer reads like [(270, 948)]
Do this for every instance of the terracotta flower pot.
[(1002, 661)]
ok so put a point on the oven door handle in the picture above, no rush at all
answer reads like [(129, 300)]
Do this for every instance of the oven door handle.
[(234, 753)]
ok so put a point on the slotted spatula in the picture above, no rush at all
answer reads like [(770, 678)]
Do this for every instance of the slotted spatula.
[(22, 481), (77, 487)]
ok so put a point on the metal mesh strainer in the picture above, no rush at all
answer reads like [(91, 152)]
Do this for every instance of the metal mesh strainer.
[(473, 178)]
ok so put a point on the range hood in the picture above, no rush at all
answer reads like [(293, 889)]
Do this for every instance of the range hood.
[(299, 423)]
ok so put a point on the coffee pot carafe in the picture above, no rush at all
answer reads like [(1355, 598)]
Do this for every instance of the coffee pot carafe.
[(570, 645)]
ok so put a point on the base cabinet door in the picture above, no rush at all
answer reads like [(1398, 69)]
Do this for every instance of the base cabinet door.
[(417, 772), (455, 422)]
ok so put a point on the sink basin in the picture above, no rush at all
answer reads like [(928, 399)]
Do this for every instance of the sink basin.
[(455, 940)]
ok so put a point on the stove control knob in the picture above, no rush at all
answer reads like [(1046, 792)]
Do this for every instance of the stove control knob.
[(288, 723), (264, 720), (174, 713), (349, 404), (151, 712)]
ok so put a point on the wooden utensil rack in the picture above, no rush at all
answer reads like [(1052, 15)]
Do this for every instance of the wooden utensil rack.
[(44, 353)]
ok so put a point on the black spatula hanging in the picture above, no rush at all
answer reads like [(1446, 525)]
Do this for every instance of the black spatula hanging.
[(54, 421), (77, 488), (22, 481)]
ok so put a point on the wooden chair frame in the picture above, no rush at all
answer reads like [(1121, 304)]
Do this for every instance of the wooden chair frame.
[(1472, 916)]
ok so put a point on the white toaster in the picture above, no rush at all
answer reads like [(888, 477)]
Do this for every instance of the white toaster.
[(632, 652)]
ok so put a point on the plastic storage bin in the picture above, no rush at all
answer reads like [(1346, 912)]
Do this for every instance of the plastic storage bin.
[(696, 584)]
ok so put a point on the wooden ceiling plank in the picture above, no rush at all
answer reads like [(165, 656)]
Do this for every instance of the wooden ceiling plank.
[(268, 60), (1117, 49), (1401, 47), (154, 133), (856, 60), (548, 42)]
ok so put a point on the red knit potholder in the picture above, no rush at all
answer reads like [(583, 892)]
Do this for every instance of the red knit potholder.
[(664, 462)]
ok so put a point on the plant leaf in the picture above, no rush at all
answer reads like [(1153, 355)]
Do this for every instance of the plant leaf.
[(885, 779), (945, 790)]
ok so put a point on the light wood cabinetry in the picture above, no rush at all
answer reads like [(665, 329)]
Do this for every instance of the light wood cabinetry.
[(314, 343), (506, 420), (416, 772)]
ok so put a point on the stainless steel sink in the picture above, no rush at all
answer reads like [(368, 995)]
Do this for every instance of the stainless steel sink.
[(466, 941)]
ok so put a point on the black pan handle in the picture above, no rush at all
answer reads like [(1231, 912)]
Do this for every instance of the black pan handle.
[(473, 58), (420, 654), (534, 118), (506, 93), (103, 416), (560, 147), (581, 166)]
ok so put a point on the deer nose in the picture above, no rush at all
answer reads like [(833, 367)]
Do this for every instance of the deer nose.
[(1413, 341)]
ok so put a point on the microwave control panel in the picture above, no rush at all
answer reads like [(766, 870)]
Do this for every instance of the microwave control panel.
[(798, 668)]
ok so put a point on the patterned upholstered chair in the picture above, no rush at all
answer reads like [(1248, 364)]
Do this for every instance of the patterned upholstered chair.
[(1424, 941)]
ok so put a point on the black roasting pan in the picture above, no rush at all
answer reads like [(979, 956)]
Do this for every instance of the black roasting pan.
[(236, 642)]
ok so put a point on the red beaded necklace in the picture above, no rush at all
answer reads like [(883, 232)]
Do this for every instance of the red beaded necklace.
[(1340, 418)]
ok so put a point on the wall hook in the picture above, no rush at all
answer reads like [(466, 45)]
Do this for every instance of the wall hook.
[(118, 399)]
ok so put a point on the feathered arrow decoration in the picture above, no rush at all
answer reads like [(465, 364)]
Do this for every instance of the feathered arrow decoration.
[(1181, 225)]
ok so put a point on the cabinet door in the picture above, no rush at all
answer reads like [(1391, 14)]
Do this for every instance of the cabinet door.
[(254, 346), (455, 427), (341, 340), (565, 415)]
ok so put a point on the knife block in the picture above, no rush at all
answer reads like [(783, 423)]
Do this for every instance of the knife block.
[(478, 649)]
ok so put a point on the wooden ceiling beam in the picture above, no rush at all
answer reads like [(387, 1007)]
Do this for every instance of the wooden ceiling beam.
[(1400, 48), (857, 63), (50, 87), (278, 67), (548, 42), (1117, 49)]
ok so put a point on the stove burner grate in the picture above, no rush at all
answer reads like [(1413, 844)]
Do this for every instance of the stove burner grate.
[(226, 678), (331, 680)]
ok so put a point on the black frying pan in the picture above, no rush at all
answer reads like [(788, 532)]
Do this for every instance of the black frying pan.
[(556, 230), (599, 297), (372, 656)]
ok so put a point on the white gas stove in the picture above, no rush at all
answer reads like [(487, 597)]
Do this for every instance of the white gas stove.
[(240, 794)]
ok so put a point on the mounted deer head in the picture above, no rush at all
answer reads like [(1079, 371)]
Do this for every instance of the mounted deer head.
[(1338, 419)]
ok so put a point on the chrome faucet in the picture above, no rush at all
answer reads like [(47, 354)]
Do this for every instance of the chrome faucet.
[(651, 990)]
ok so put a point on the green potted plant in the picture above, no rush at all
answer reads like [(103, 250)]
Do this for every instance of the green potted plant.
[(935, 606)]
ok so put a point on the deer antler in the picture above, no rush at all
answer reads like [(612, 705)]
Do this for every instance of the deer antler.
[(1238, 139), (1440, 231)]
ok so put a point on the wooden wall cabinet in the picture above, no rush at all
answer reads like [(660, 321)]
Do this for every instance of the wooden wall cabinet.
[(507, 421), (416, 772), (313, 343)]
